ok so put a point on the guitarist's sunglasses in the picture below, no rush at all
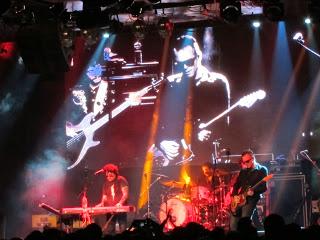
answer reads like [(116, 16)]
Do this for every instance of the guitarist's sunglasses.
[(247, 161)]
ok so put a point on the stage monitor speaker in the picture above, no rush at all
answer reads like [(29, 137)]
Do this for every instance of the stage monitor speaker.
[(43, 220), (41, 49), (287, 197)]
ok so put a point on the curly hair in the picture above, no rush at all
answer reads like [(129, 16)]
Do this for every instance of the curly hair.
[(111, 168)]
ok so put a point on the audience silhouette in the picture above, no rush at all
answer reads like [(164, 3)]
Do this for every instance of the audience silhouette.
[(275, 228)]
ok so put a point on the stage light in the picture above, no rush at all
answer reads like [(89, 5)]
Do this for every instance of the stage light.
[(256, 24), (307, 20), (165, 27), (139, 28), (106, 35), (230, 10), (273, 10)]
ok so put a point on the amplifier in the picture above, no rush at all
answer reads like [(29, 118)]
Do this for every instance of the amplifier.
[(44, 220), (285, 169), (287, 197)]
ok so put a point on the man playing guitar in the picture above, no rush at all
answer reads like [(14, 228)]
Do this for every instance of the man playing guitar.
[(250, 183), (179, 112)]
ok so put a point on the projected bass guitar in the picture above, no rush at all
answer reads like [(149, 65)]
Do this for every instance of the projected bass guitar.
[(87, 127), (246, 101)]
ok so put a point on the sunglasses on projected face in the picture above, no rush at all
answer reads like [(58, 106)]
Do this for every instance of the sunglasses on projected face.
[(188, 63)]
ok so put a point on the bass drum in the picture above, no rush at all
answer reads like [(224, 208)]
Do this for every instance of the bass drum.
[(181, 213)]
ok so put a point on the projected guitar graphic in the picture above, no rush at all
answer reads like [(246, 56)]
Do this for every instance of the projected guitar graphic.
[(246, 101), (87, 128), (162, 160)]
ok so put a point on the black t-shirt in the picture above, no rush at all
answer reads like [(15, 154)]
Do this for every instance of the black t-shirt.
[(113, 190), (248, 178)]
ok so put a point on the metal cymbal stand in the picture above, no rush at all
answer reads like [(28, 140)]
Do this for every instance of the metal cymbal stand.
[(215, 158), (216, 154)]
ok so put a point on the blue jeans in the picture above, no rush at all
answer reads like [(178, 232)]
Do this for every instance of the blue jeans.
[(246, 211)]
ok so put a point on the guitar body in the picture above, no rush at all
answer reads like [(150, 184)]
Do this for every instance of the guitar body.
[(237, 201)]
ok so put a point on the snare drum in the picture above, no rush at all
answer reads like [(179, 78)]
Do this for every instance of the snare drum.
[(181, 213)]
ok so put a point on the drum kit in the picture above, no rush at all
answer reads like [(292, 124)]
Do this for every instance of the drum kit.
[(194, 203)]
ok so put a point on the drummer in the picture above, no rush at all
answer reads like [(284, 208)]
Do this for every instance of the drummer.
[(212, 177)]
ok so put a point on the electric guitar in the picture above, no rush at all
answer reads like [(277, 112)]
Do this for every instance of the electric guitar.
[(87, 127), (246, 101), (159, 156), (237, 201)]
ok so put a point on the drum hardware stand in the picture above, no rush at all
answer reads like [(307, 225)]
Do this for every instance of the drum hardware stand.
[(217, 182), (216, 155)]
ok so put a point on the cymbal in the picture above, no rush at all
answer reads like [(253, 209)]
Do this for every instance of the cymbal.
[(220, 172), (173, 183)]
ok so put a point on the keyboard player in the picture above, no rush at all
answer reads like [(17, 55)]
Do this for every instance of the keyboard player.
[(115, 192)]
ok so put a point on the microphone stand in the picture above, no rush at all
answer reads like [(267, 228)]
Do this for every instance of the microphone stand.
[(148, 194), (307, 48), (305, 155), (216, 144)]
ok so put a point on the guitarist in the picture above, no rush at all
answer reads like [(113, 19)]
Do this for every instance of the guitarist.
[(184, 100), (250, 174)]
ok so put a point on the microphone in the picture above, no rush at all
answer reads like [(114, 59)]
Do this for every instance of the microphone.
[(298, 37), (99, 171), (217, 141), (304, 151)]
